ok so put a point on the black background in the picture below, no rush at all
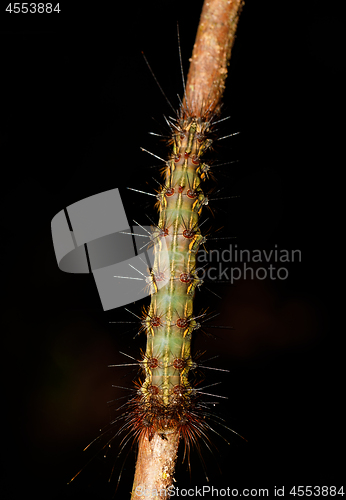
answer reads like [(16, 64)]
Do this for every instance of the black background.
[(77, 101)]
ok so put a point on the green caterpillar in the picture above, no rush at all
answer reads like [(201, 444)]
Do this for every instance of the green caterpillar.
[(166, 405), (166, 400)]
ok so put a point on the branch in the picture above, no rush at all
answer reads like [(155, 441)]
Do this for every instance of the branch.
[(211, 55), (205, 85), (155, 466)]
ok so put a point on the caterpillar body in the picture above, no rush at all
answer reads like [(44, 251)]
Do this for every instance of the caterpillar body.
[(166, 397), (167, 406)]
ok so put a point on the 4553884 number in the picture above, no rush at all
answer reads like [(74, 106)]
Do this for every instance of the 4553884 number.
[(317, 491), (32, 8)]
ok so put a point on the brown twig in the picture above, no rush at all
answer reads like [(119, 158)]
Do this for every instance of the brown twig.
[(155, 466), (157, 454), (211, 55)]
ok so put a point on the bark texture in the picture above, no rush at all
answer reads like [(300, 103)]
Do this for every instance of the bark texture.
[(211, 55), (155, 467)]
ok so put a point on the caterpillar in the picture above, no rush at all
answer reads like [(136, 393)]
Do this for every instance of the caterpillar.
[(167, 407), (166, 402)]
